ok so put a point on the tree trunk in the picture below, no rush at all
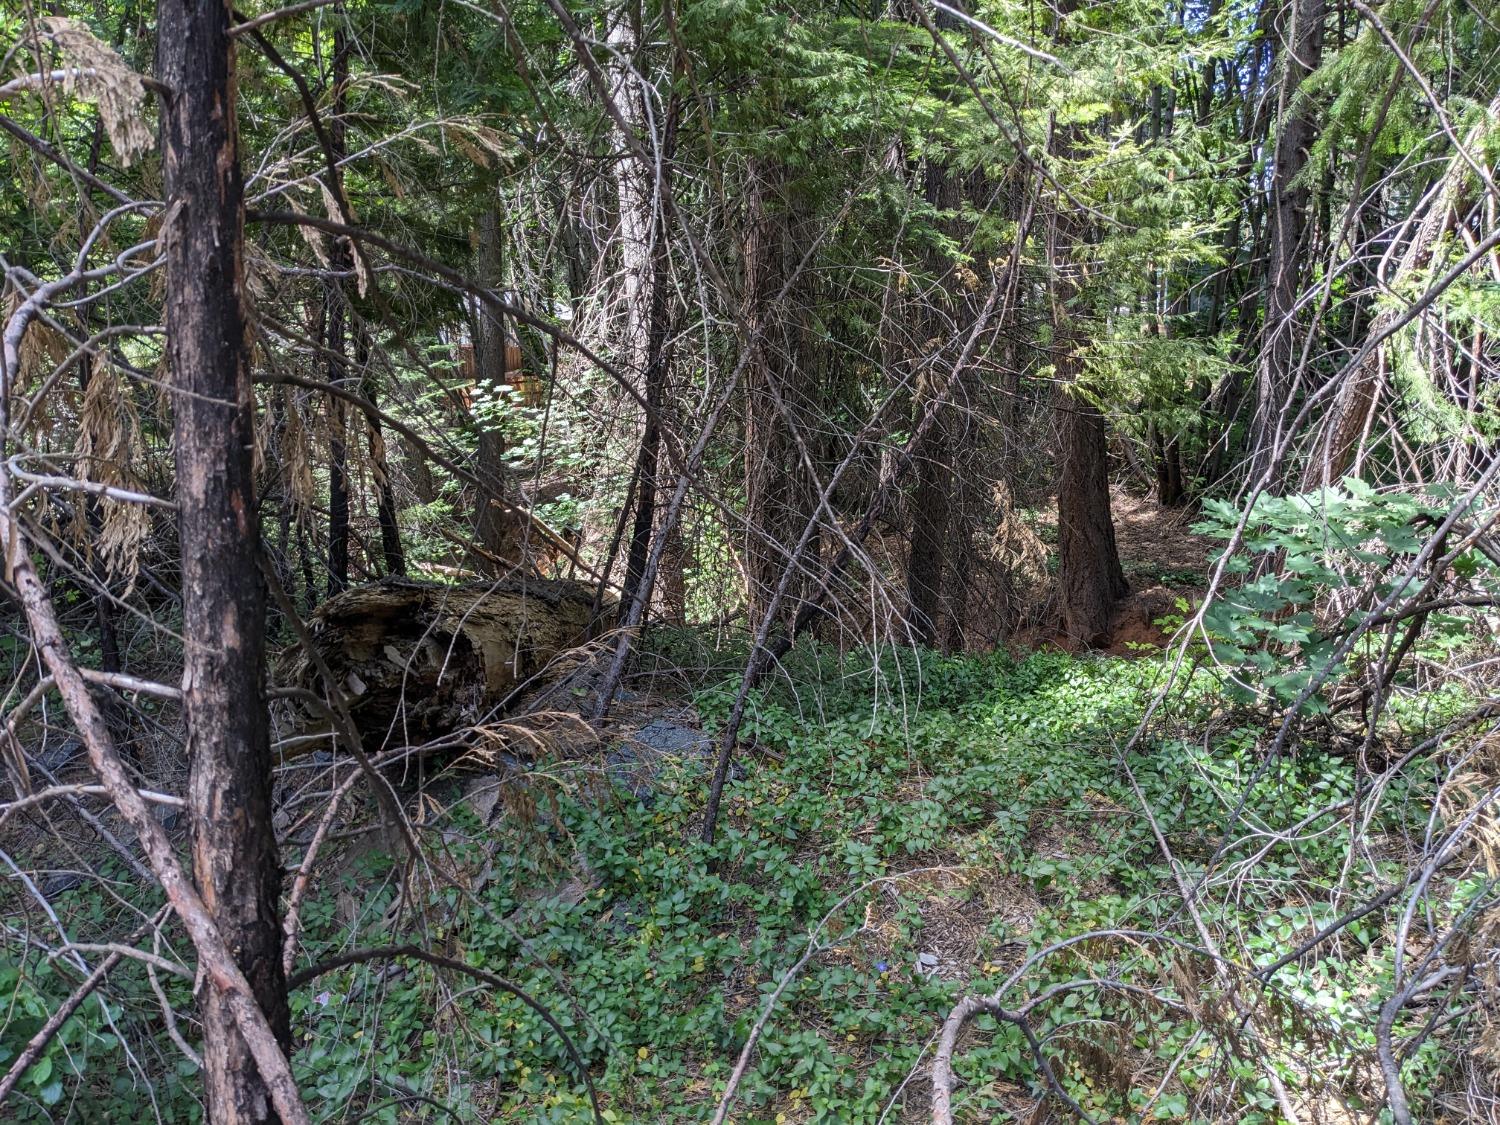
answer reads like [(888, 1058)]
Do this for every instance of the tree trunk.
[(646, 256), (235, 862), (1301, 39), (932, 494), (115, 717), (492, 528), (673, 580), (1090, 578), (929, 531), (338, 451), (1171, 490), (649, 456), (635, 197), (336, 316), (390, 527), (769, 455)]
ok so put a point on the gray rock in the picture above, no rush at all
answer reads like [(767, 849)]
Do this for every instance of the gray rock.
[(667, 737), (61, 882), (56, 756)]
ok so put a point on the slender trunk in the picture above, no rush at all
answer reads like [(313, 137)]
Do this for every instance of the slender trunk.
[(932, 493), (646, 256), (1301, 39), (419, 472), (1171, 491), (104, 615), (768, 452), (674, 564), (958, 576), (335, 322), (492, 528), (235, 862), (338, 452), (929, 532), (390, 527), (639, 221), (645, 500)]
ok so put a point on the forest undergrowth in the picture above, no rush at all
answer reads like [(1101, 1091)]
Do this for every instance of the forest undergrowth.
[(903, 830)]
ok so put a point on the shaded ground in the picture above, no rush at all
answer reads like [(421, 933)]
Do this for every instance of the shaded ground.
[(1157, 545)]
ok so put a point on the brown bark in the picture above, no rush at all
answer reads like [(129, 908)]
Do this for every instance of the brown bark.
[(1090, 578), (769, 455), (932, 493), (492, 528), (419, 472), (385, 489), (235, 860), (1301, 43), (338, 451), (336, 316), (430, 658), (1166, 460), (673, 580), (929, 532)]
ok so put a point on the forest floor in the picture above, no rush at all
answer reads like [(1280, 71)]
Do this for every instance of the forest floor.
[(931, 827), (1167, 566), (967, 830), (1157, 545)]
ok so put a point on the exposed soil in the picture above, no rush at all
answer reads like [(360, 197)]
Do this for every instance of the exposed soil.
[(1166, 564), (1157, 545)]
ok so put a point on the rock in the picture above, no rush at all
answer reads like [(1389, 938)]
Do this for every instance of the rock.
[(61, 883), (668, 737), (55, 757), (635, 760), (482, 794)]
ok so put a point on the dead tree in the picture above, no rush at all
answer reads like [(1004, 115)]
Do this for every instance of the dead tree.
[(235, 861)]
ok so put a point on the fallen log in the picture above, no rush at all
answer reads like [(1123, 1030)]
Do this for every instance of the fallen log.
[(421, 659)]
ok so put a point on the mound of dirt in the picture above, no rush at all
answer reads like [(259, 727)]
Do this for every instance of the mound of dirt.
[(1134, 628)]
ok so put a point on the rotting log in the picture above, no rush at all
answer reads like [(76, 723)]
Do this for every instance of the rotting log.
[(417, 660)]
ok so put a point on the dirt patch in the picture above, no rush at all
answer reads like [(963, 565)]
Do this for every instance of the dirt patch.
[(1135, 627), (1157, 545), (956, 908)]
